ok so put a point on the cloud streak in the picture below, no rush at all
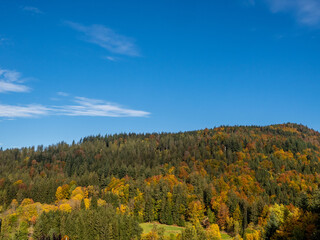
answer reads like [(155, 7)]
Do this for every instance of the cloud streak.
[(63, 94), (10, 81), (27, 111), (106, 38), (81, 107), (98, 108), (307, 12), (112, 59), (32, 10)]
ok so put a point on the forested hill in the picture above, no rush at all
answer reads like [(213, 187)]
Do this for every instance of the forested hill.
[(250, 180)]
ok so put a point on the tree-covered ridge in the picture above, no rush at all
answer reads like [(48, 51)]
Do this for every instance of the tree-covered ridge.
[(254, 182)]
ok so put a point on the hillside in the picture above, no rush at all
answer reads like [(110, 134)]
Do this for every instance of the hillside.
[(253, 182)]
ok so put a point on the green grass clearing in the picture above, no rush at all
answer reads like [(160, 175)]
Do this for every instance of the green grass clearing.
[(169, 229), (225, 236)]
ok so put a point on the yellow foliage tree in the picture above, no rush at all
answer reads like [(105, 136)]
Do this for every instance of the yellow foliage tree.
[(26, 201), (120, 188), (63, 192), (138, 204), (65, 207), (150, 236), (29, 211), (48, 208), (196, 211), (87, 203), (122, 209), (252, 236), (213, 232), (59, 194), (90, 191), (101, 202), (78, 191), (78, 197), (237, 214)]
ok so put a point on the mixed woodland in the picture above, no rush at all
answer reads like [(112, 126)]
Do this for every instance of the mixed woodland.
[(251, 182)]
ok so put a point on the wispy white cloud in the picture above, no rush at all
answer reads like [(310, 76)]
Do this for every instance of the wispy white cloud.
[(10, 81), (106, 38), (98, 108), (112, 59), (32, 10), (81, 107), (27, 111), (306, 11), (63, 94)]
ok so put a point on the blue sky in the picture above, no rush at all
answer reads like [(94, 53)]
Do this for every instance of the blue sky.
[(69, 69)]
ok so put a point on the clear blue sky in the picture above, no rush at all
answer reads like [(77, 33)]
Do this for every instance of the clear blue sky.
[(69, 69)]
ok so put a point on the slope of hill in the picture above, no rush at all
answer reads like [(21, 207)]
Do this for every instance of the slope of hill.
[(255, 182)]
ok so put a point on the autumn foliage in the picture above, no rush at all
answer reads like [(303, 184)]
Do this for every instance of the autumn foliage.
[(252, 182)]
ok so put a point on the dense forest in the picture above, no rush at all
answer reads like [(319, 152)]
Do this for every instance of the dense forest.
[(249, 181)]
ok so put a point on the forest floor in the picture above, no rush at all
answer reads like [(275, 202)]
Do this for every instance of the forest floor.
[(169, 229)]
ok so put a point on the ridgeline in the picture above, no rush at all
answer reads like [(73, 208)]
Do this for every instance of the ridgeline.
[(252, 182)]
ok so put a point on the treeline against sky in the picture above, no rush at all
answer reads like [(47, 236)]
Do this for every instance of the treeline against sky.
[(252, 182)]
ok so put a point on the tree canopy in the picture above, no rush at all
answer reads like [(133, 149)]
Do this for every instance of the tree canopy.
[(250, 181)]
